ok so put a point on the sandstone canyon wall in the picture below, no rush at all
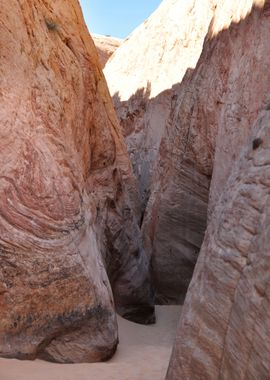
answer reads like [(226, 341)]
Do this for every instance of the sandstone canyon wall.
[(214, 108), (106, 46), (225, 324), (68, 200), (142, 73)]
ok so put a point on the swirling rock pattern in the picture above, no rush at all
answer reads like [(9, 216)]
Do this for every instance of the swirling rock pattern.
[(64, 179)]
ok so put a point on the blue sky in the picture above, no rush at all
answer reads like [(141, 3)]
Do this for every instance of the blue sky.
[(117, 18)]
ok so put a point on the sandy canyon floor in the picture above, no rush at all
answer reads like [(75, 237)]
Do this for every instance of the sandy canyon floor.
[(143, 354)]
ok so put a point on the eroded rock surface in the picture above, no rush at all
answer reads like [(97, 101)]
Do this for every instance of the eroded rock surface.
[(106, 46), (67, 194), (214, 108), (225, 326), (142, 73)]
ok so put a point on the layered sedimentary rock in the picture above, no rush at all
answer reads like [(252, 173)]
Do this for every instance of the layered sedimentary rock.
[(67, 194), (225, 325), (214, 108), (106, 46), (142, 73)]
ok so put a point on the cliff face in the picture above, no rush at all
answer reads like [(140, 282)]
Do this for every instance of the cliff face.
[(225, 321), (248, 82), (106, 46), (142, 73), (214, 108), (67, 194), (225, 324)]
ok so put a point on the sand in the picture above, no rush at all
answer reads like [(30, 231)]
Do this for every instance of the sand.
[(143, 354)]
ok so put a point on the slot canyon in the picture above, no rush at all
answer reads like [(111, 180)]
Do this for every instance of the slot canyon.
[(135, 193)]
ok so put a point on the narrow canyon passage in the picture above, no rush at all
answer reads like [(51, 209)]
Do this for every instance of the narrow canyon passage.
[(143, 354)]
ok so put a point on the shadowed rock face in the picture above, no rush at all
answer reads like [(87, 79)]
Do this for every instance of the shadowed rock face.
[(225, 325), (68, 201), (142, 73), (106, 46), (214, 108)]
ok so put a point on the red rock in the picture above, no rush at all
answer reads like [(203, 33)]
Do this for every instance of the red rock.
[(106, 46), (67, 193)]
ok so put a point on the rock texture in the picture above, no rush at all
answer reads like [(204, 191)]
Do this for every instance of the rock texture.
[(223, 331), (106, 46), (142, 73), (214, 108), (67, 194), (225, 326)]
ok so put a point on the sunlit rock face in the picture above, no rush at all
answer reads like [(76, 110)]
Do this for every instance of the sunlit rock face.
[(214, 109), (68, 200), (106, 46), (143, 73)]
